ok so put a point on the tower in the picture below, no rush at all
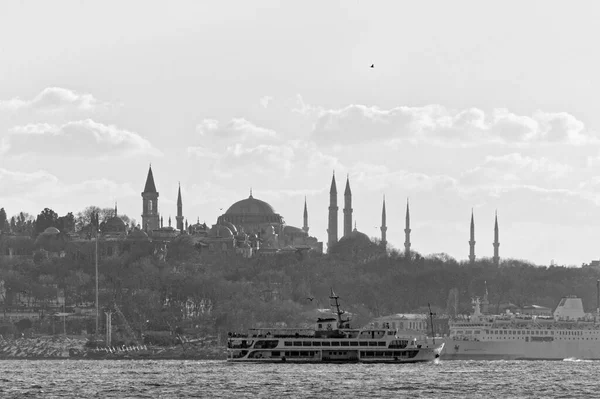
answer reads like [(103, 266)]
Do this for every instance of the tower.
[(496, 258), (407, 232), (347, 208), (305, 227), (116, 209), (383, 226), (179, 217), (150, 217), (472, 241), (332, 229)]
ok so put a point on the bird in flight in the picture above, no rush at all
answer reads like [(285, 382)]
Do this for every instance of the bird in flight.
[(372, 65), (310, 298)]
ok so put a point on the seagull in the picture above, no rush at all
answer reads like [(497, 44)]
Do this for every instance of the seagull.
[(372, 65), (310, 298)]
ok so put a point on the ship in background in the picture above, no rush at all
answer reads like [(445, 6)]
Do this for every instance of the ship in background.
[(569, 333)]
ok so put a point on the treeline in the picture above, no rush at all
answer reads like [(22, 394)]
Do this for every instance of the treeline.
[(221, 293)]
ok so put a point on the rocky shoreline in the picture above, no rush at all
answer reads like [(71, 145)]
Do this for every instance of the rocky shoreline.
[(63, 348)]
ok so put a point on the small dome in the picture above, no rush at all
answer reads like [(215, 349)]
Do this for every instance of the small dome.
[(356, 235), (230, 226), (293, 230), (114, 224), (51, 231), (220, 231), (138, 235)]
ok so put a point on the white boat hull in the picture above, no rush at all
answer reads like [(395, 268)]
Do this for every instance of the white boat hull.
[(520, 350)]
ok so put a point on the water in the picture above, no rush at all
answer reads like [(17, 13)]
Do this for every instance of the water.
[(218, 379)]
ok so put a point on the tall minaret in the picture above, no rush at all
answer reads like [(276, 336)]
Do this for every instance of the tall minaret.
[(472, 240), (407, 232), (116, 209), (150, 217), (332, 230), (179, 217), (347, 208), (496, 258), (305, 227), (383, 226)]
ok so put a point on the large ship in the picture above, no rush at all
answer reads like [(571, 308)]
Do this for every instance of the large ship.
[(569, 333), (331, 340)]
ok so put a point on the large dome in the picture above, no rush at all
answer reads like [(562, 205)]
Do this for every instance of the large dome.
[(250, 206)]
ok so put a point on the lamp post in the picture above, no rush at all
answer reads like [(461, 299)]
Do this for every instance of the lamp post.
[(96, 227)]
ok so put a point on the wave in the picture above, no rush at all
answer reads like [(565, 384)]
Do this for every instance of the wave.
[(574, 359)]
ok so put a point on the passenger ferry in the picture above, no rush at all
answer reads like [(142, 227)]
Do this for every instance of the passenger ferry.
[(332, 340), (569, 333)]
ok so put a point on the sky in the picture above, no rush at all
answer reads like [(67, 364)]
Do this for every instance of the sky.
[(471, 106)]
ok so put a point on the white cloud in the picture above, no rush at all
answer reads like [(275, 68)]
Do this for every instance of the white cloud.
[(52, 99), (514, 168), (85, 138), (264, 102), (237, 128), (435, 124)]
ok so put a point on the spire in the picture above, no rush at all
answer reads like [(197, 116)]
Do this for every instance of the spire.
[(179, 203), (150, 187), (161, 222), (179, 217), (347, 208), (347, 191), (407, 232), (251, 193), (333, 189), (472, 240), (383, 225), (305, 227), (116, 213), (332, 227), (496, 258), (169, 220), (355, 226)]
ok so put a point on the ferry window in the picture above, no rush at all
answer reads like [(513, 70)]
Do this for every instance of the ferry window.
[(335, 344), (345, 343), (380, 343), (372, 343), (297, 343), (326, 344), (364, 343), (275, 353), (288, 343), (316, 343), (306, 343), (353, 343)]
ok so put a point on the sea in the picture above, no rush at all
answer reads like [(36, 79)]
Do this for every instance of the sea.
[(569, 378)]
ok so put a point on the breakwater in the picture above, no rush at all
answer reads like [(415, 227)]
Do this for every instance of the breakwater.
[(60, 347)]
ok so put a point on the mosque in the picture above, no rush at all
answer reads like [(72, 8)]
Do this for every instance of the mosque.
[(249, 227)]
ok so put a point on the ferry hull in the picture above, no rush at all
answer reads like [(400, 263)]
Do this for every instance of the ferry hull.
[(478, 350)]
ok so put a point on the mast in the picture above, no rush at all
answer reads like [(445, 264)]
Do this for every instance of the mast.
[(431, 319), (338, 311)]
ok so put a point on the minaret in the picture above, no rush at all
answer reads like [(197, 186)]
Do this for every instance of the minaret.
[(150, 217), (496, 258), (179, 217), (383, 226), (472, 240), (305, 227), (116, 213), (169, 220), (332, 230), (347, 208), (407, 232), (161, 222)]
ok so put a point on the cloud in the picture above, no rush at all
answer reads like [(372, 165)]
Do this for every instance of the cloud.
[(438, 125), (26, 190), (237, 128), (264, 102), (85, 138), (52, 99), (513, 169)]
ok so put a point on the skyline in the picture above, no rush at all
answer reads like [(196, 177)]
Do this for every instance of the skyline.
[(470, 107)]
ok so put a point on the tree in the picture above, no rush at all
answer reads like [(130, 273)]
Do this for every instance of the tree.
[(3, 220), (23, 224), (66, 223), (46, 218)]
